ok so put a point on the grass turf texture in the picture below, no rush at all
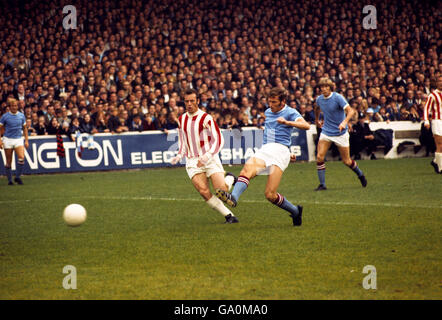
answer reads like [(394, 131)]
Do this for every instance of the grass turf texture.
[(148, 235)]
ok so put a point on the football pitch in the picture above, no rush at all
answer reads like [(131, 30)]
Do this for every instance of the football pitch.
[(149, 235)]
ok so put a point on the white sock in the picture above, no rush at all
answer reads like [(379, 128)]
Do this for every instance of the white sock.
[(219, 206), (438, 160), (229, 181)]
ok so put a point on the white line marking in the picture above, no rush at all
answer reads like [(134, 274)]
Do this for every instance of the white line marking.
[(150, 198)]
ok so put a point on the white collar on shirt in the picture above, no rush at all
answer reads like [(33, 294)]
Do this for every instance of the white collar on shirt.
[(328, 96)]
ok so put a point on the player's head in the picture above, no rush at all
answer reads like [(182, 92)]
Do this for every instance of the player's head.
[(13, 105), (277, 98), (191, 100), (326, 85)]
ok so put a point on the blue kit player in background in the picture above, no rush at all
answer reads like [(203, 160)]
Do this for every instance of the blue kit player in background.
[(273, 157), (337, 112), (12, 129)]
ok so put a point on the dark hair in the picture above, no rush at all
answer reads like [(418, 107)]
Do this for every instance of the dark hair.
[(191, 91), (278, 92)]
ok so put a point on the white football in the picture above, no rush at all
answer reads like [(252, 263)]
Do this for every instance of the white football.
[(74, 215)]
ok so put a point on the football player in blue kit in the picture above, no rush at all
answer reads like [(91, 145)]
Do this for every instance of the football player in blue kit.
[(334, 129), (273, 157), (12, 129)]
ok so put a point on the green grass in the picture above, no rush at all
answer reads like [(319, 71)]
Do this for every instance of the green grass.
[(148, 235)]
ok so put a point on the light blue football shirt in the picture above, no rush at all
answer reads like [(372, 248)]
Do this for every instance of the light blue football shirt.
[(334, 114), (13, 124), (277, 132)]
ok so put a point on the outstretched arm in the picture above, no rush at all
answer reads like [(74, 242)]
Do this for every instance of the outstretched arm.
[(299, 123)]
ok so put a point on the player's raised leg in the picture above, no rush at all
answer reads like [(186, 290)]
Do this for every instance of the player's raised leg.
[(349, 162), (323, 146), (248, 172), (279, 200)]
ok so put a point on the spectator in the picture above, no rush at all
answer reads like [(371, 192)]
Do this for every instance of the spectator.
[(53, 126), (87, 126), (136, 124), (248, 52), (100, 123), (40, 129), (362, 138), (30, 128), (74, 128)]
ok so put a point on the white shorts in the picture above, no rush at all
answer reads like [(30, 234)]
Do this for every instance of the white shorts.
[(273, 154), (12, 143), (436, 127), (340, 141), (213, 166)]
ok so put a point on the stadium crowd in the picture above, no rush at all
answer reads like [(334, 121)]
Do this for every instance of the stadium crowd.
[(125, 66)]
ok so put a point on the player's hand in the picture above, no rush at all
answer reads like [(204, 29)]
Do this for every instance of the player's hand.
[(318, 123), (427, 126), (292, 157), (342, 125), (175, 160), (1, 143), (281, 120), (26, 144), (203, 160)]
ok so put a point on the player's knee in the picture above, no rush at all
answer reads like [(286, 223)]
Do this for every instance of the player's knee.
[(271, 195), (320, 156), (205, 193), (348, 162), (247, 171)]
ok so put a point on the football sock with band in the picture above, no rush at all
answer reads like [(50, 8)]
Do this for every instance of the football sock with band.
[(283, 203), (438, 159), (229, 180), (240, 186), (219, 206), (8, 173), (320, 166), (20, 165), (355, 168)]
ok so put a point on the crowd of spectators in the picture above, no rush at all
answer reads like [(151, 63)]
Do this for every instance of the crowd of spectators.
[(125, 66)]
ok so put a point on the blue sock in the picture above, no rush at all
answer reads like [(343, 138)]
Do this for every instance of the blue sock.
[(240, 186), (355, 168), (20, 165), (283, 203), (320, 166), (8, 173)]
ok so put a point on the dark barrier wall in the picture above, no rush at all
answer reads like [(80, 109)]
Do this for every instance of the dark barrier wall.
[(137, 150)]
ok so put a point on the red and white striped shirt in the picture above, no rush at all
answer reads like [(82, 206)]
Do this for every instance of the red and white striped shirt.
[(433, 106), (198, 135)]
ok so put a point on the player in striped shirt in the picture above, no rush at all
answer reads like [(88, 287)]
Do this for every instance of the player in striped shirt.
[(13, 128), (200, 141), (433, 108), (273, 157)]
